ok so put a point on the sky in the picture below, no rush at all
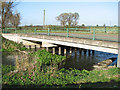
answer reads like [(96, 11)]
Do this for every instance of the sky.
[(90, 13)]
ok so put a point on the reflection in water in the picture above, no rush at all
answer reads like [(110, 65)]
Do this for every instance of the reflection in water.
[(75, 60), (85, 61)]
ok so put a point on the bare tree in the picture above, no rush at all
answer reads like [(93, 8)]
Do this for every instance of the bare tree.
[(15, 20), (7, 13), (76, 17), (62, 18), (68, 18)]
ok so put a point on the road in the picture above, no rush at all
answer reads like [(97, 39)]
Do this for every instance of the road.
[(105, 37)]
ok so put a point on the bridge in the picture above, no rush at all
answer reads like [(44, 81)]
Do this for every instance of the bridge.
[(103, 39), (51, 41)]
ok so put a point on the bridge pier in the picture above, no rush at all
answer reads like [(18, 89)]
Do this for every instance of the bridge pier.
[(85, 51), (59, 51), (75, 49), (47, 49), (53, 50), (35, 48), (88, 52), (80, 51), (65, 51), (70, 51), (93, 52), (30, 47), (40, 45)]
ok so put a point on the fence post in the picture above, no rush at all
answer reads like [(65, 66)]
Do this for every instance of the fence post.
[(93, 34), (15, 30), (76, 29), (35, 31), (48, 32), (24, 31), (67, 32), (89, 28), (6, 30), (105, 29)]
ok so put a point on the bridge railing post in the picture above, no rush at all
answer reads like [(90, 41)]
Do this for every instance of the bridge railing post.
[(24, 31), (6, 30), (35, 31), (48, 31), (67, 32), (93, 34), (105, 29), (15, 30), (89, 28)]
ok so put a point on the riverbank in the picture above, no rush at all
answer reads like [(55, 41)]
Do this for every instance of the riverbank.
[(8, 45), (43, 72), (63, 79), (104, 65)]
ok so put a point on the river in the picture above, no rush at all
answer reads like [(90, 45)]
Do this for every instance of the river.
[(75, 60)]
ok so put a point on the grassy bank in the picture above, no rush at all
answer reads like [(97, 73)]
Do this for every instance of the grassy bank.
[(63, 79), (8, 45), (43, 72)]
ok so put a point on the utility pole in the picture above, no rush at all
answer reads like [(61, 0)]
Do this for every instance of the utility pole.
[(44, 20)]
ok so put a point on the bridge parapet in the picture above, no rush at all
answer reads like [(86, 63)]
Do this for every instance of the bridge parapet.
[(107, 44)]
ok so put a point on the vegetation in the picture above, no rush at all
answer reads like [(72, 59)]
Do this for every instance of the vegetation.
[(8, 17), (8, 45), (68, 18), (43, 72), (62, 78)]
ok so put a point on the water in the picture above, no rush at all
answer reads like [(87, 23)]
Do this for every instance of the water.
[(75, 60), (86, 61)]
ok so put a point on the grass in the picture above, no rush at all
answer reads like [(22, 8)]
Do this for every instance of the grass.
[(64, 78), (60, 29), (8, 45), (44, 72)]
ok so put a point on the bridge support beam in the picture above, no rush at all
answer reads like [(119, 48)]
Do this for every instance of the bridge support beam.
[(35, 48), (80, 51), (75, 49), (30, 47), (59, 51), (88, 52), (118, 59), (70, 51), (53, 51), (65, 51), (93, 52), (47, 49), (85, 51), (40, 45)]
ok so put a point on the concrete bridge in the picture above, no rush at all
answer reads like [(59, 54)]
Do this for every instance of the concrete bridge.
[(52, 41)]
